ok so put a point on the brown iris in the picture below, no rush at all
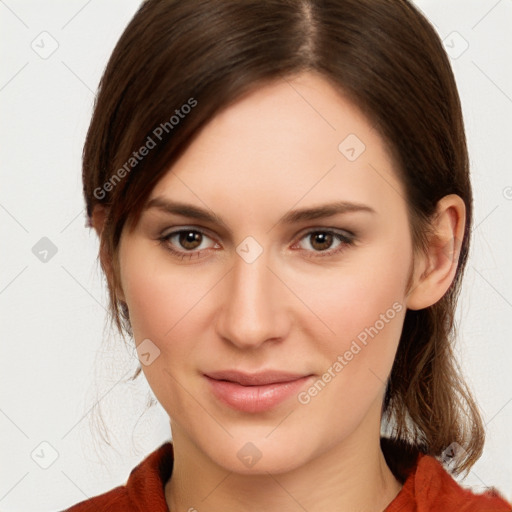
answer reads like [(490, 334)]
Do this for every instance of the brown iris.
[(190, 239), (324, 240)]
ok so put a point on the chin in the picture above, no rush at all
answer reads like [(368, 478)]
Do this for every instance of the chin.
[(258, 455)]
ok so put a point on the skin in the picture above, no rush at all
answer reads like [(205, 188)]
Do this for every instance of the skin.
[(272, 151)]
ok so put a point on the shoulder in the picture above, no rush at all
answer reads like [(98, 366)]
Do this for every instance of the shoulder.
[(116, 499), (145, 486), (430, 487)]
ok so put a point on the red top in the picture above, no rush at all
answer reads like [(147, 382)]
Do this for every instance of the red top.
[(428, 488)]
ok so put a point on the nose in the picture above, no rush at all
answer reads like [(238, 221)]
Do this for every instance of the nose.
[(253, 304)]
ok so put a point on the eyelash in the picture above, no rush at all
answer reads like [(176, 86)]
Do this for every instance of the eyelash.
[(347, 240)]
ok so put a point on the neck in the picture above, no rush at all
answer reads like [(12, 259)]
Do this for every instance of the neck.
[(352, 475)]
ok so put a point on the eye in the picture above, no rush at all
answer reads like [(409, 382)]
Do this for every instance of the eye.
[(322, 240), (186, 243)]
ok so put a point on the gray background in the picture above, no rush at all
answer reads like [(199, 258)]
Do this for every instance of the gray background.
[(58, 361)]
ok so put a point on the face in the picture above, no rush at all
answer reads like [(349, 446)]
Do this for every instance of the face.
[(267, 331)]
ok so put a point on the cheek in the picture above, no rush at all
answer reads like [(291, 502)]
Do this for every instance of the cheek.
[(162, 301), (366, 293), (363, 306), (160, 296), (167, 304)]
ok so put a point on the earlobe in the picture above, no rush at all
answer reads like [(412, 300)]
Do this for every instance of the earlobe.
[(435, 269)]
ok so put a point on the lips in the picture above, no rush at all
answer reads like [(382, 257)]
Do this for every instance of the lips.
[(254, 379), (256, 392)]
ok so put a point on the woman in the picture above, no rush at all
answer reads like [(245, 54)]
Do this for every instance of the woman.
[(281, 190)]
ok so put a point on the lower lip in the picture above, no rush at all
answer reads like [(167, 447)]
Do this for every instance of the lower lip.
[(254, 398)]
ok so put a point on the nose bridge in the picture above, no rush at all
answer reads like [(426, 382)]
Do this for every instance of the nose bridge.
[(253, 306)]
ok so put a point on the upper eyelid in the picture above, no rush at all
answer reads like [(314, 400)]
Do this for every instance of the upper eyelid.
[(174, 231)]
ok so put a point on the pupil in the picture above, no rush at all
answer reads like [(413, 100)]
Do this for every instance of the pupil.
[(322, 238), (189, 238)]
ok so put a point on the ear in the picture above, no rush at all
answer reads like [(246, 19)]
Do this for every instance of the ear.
[(99, 216), (435, 269)]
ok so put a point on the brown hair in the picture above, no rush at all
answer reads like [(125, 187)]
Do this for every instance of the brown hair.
[(381, 54)]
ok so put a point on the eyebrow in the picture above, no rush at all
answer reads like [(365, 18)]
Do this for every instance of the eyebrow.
[(291, 217)]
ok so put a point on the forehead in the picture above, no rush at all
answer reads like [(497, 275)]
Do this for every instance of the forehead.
[(293, 142)]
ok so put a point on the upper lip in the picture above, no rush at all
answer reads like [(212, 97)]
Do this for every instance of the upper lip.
[(255, 379)]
